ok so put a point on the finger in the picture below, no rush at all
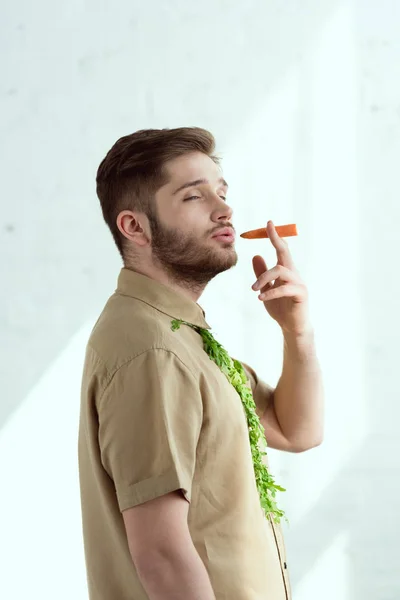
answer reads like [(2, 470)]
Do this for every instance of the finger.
[(278, 272), (259, 266), (297, 292), (281, 247)]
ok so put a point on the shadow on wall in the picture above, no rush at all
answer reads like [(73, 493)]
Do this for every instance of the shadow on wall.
[(166, 66)]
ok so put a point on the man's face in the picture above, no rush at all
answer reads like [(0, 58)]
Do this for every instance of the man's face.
[(190, 209)]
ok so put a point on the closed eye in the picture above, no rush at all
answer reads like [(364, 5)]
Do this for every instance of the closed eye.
[(190, 198)]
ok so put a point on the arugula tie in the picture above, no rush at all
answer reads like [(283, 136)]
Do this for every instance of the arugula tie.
[(236, 374)]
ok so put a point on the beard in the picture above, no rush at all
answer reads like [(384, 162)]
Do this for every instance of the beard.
[(186, 259)]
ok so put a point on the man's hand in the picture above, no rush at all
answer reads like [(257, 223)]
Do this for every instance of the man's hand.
[(282, 290)]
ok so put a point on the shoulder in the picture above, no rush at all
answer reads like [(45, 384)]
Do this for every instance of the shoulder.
[(131, 333)]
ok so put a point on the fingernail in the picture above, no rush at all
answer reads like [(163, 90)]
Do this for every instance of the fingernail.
[(255, 285)]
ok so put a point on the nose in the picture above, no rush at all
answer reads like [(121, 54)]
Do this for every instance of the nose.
[(222, 211)]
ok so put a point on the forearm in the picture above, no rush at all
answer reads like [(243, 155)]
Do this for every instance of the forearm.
[(298, 397), (176, 575)]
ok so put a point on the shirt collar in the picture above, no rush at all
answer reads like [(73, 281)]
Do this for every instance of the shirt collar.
[(160, 297)]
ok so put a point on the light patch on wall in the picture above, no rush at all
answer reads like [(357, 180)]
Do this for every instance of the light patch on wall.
[(329, 578), (40, 507)]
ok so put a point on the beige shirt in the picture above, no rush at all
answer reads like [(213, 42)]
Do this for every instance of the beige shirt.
[(157, 415)]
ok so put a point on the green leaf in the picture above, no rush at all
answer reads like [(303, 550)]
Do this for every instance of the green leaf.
[(236, 374)]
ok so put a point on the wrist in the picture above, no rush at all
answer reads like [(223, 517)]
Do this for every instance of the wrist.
[(302, 340)]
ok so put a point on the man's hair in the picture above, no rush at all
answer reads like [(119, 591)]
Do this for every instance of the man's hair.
[(133, 170)]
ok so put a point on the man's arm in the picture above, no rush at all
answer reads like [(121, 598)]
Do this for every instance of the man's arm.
[(293, 419), (162, 550)]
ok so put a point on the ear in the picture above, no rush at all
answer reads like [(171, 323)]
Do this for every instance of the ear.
[(132, 228)]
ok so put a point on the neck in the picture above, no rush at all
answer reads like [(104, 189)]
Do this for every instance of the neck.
[(190, 290)]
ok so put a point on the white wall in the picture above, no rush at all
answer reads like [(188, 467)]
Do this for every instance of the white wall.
[(304, 99)]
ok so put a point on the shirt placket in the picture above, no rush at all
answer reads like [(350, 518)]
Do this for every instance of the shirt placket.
[(282, 558)]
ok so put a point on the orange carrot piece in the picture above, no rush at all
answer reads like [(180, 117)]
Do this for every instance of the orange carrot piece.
[(259, 234)]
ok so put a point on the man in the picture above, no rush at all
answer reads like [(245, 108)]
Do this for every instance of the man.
[(170, 505)]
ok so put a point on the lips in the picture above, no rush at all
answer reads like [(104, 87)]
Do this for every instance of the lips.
[(227, 234)]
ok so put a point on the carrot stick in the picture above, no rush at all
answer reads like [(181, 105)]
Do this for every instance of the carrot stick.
[(259, 234)]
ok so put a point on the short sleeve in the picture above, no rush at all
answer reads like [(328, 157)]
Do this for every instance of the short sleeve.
[(150, 418), (262, 392)]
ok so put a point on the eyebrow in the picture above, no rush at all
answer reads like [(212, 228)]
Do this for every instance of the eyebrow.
[(190, 184)]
